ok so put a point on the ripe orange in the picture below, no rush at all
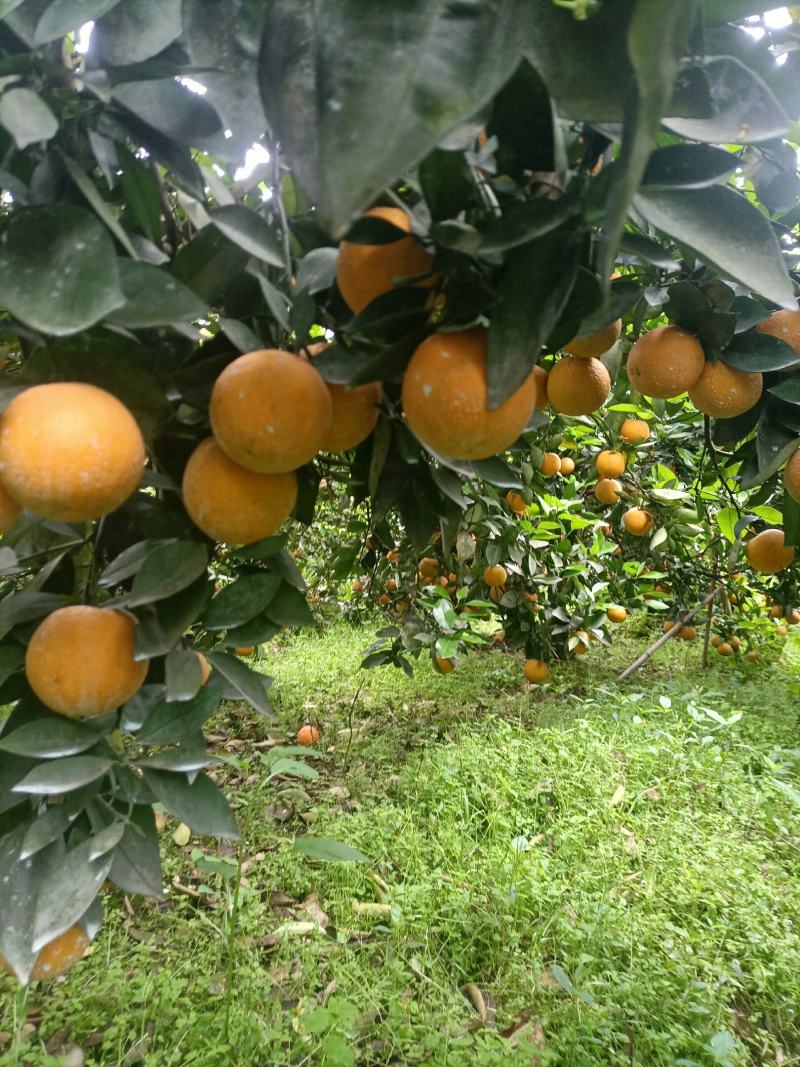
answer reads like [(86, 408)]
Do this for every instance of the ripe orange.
[(391, 585), (794, 617), (567, 465), (595, 344), (308, 735), (393, 555), (245, 650), (232, 504), (384, 599), (752, 656), (791, 473), (551, 464), (610, 464), (428, 567), (767, 553), (782, 631), (10, 511), (364, 272), (496, 593), (270, 411), (445, 399), (724, 649), (401, 606), (616, 613), (723, 392), (607, 490), (716, 641), (634, 431), (665, 362), (668, 624), (735, 642), (444, 666), (79, 661), (687, 633), (516, 502), (540, 380), (357, 585), (58, 956), (784, 325), (776, 611), (536, 671), (638, 522), (205, 668), (496, 575), (355, 412), (578, 386), (69, 451)]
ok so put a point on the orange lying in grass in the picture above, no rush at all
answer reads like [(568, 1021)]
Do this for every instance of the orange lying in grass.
[(308, 735)]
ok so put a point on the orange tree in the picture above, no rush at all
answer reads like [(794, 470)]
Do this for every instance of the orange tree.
[(443, 192)]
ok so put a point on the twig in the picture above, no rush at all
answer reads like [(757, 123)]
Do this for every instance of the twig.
[(707, 633), (645, 656)]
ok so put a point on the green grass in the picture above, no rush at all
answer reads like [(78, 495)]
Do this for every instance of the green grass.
[(614, 870)]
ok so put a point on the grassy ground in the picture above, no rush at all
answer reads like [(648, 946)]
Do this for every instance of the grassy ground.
[(584, 874)]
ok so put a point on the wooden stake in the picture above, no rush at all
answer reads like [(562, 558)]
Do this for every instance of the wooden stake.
[(645, 656)]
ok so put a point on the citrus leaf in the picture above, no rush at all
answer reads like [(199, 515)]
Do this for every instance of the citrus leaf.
[(250, 231), (200, 804), (62, 16), (63, 775), (27, 117), (48, 738), (328, 851)]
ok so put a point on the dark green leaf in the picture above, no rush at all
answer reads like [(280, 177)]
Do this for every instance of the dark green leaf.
[(63, 775), (12, 657), (164, 623), (317, 270), (759, 352), (241, 601), (46, 738), (636, 244), (446, 183), (172, 110), (26, 117), (522, 121), (250, 231), (190, 756), (27, 606), (288, 607), (18, 888), (250, 685), (70, 882), (167, 722), (289, 768), (690, 166), (154, 297), (745, 110), (522, 222), (726, 231), (208, 263), (791, 521), (142, 203), (328, 851), (63, 16), (45, 828), (182, 674), (136, 864), (58, 271), (240, 335), (255, 632), (788, 389), (101, 208), (125, 565), (136, 30), (201, 805), (168, 568)]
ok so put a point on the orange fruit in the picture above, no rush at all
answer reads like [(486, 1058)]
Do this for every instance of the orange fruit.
[(634, 431), (767, 552), (393, 555), (270, 411), (776, 611), (355, 412), (687, 633), (637, 522), (69, 451), (496, 593), (536, 671), (495, 576), (516, 502), (10, 510), (230, 503), (578, 386), (668, 624), (794, 616), (665, 362), (791, 473), (364, 272), (445, 398), (428, 567), (551, 464), (607, 490), (245, 650), (391, 585), (308, 735), (595, 344), (79, 661), (784, 325), (384, 599), (610, 464), (58, 956), (723, 392), (752, 656), (357, 585), (616, 613), (567, 465), (205, 668), (716, 641), (724, 649), (444, 666), (540, 381), (735, 642), (401, 606), (782, 631)]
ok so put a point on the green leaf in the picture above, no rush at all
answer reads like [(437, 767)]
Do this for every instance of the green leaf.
[(187, 757), (44, 829), (688, 166), (154, 297), (170, 721), (522, 222), (63, 16), (522, 121), (136, 30), (172, 110), (63, 775), (126, 564), (290, 768), (27, 606), (58, 271), (790, 521), (409, 80), (47, 738), (788, 389), (531, 295), (18, 888), (727, 232), (446, 183), (745, 110), (250, 231), (250, 685), (7, 6), (636, 244), (241, 601), (101, 208), (240, 335), (162, 626), (27, 117), (182, 674), (759, 352), (288, 607), (68, 885), (136, 862), (726, 520), (12, 659), (200, 804), (317, 270), (328, 851), (168, 568)]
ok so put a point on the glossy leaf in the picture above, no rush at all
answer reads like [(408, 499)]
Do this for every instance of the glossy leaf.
[(27, 606), (170, 721), (63, 775), (688, 166), (328, 851), (58, 271), (172, 109), (189, 756), (200, 804), (18, 887), (136, 30), (69, 883), (168, 568), (182, 674), (136, 863), (288, 607), (63, 16), (241, 601), (250, 231), (161, 625), (759, 352), (48, 738), (317, 270), (44, 829), (101, 208), (26, 117), (249, 685), (154, 297)]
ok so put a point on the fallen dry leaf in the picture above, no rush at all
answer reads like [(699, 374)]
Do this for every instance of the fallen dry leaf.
[(618, 796)]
